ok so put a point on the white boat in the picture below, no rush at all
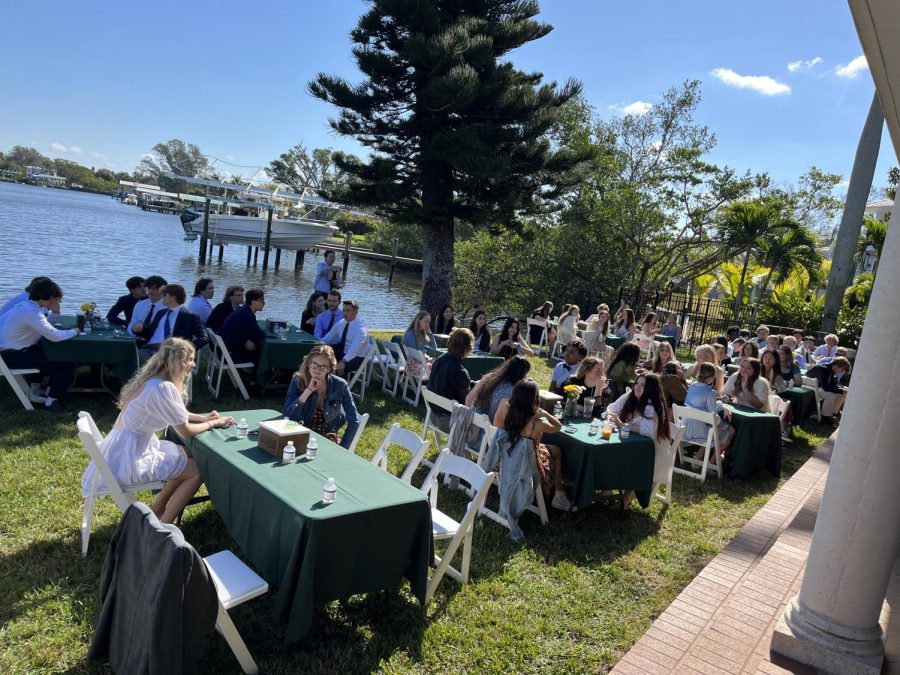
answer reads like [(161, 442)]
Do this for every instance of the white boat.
[(251, 230)]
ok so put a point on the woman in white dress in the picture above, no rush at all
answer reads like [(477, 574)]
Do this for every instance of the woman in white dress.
[(151, 401)]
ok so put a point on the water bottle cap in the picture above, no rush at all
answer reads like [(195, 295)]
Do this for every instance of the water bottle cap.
[(243, 420), (330, 482), (290, 444)]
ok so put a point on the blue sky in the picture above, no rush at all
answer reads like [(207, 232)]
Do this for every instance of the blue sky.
[(102, 82)]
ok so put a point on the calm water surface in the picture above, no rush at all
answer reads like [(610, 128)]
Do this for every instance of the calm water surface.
[(90, 244)]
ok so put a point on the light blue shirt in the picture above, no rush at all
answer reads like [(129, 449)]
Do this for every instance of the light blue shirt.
[(13, 301)]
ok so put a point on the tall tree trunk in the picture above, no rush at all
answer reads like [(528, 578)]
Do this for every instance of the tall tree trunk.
[(437, 267), (854, 210), (740, 289)]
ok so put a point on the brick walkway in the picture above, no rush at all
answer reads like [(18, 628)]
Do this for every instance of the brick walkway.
[(723, 621)]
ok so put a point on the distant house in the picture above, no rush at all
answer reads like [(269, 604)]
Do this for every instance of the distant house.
[(38, 175)]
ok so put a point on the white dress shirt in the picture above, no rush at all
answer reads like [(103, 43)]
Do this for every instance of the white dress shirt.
[(563, 372), (13, 301), (160, 332), (25, 324), (825, 351), (357, 334), (201, 307), (141, 311)]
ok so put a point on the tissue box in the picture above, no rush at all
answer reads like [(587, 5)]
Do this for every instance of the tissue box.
[(271, 323), (275, 434)]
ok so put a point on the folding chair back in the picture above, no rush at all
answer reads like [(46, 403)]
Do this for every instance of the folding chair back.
[(416, 376), (813, 383), (363, 421), (646, 345), (361, 376), (406, 439), (446, 528), (394, 363), (563, 338), (122, 495), (224, 363), (542, 341), (681, 413), (441, 403), (676, 432), (778, 406), (16, 379)]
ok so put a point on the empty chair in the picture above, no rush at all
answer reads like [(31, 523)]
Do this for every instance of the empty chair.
[(416, 378), (16, 379), (394, 366), (407, 439), (681, 413), (360, 376), (363, 421), (542, 341), (444, 527), (676, 432), (122, 495), (563, 338), (222, 362)]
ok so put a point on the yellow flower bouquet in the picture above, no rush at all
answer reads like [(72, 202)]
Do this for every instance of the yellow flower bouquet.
[(573, 391)]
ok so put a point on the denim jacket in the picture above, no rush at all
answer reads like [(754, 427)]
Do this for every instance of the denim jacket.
[(339, 407)]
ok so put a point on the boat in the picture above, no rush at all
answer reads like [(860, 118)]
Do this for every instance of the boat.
[(291, 234)]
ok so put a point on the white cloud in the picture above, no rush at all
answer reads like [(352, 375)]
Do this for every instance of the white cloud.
[(635, 108), (59, 147), (794, 66), (852, 69), (98, 155), (762, 84), (229, 158)]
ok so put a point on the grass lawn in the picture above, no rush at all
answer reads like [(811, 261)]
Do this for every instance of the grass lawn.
[(573, 598)]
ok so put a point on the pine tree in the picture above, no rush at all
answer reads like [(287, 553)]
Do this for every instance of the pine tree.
[(456, 133)]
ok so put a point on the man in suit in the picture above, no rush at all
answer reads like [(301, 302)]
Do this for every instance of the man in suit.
[(126, 303), (833, 380), (332, 314), (240, 332), (172, 320), (145, 310), (349, 339)]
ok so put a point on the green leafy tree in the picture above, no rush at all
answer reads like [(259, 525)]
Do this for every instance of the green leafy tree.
[(24, 156), (787, 249), (177, 157), (456, 133)]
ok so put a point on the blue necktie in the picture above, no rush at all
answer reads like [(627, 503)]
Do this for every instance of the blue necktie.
[(167, 331)]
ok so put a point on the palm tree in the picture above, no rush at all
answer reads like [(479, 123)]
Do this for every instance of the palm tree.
[(789, 248), (874, 234)]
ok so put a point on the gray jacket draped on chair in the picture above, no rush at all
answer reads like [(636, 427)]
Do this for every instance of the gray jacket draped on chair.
[(518, 477)]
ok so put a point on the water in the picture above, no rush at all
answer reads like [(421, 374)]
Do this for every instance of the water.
[(90, 244)]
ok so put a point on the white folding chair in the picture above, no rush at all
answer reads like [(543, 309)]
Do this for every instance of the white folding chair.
[(538, 506), (676, 432), (563, 338), (542, 341), (407, 439), (445, 528), (376, 367), (235, 584), (394, 362), (363, 421), (813, 384), (646, 345), (778, 406), (681, 413), (222, 362), (122, 495), (416, 378), (16, 379), (441, 403), (361, 377)]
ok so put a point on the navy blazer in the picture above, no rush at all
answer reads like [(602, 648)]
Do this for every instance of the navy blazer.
[(239, 327), (186, 326)]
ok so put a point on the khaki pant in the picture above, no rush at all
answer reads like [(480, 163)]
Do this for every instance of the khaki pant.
[(831, 402)]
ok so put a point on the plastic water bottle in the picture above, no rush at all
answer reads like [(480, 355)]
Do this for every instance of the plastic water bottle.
[(288, 453), (558, 410), (595, 427), (312, 448), (87, 326), (242, 429), (329, 491)]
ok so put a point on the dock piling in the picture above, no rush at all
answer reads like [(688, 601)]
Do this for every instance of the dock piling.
[(393, 260), (221, 251), (268, 241), (298, 259), (347, 239), (249, 254), (203, 237), (277, 257)]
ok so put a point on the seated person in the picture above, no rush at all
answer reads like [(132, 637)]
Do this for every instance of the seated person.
[(790, 369), (496, 387), (125, 304), (770, 371), (722, 356), (673, 384), (737, 348), (331, 316), (762, 335), (521, 417), (173, 320), (542, 313), (199, 304), (747, 388), (591, 375), (446, 322), (481, 332), (320, 400), (650, 325), (828, 350), (314, 306), (732, 333), (701, 395), (622, 369), (664, 355), (350, 340), (241, 334), (806, 351), (834, 379), (151, 401), (773, 342), (234, 296), (449, 378), (21, 330), (706, 354), (568, 321), (625, 326), (20, 297), (419, 336), (574, 355), (672, 329), (748, 351), (145, 310), (509, 341)]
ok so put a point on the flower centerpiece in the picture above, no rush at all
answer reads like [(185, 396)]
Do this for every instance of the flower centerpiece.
[(572, 392), (90, 311)]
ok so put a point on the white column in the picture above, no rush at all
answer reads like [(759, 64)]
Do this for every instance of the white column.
[(833, 623)]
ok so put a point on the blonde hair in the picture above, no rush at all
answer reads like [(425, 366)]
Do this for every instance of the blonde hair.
[(710, 354), (303, 373), (172, 357), (417, 332)]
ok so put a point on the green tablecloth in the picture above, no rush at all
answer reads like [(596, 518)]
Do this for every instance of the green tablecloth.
[(757, 443), (283, 354), (666, 338), (376, 532), (591, 463), (98, 346), (616, 342), (803, 402), (478, 364)]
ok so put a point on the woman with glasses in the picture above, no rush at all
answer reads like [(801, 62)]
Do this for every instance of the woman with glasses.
[(232, 300), (320, 400)]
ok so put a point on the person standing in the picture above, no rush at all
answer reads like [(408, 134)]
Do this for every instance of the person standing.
[(126, 303), (349, 339), (326, 276), (199, 304), (21, 330)]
